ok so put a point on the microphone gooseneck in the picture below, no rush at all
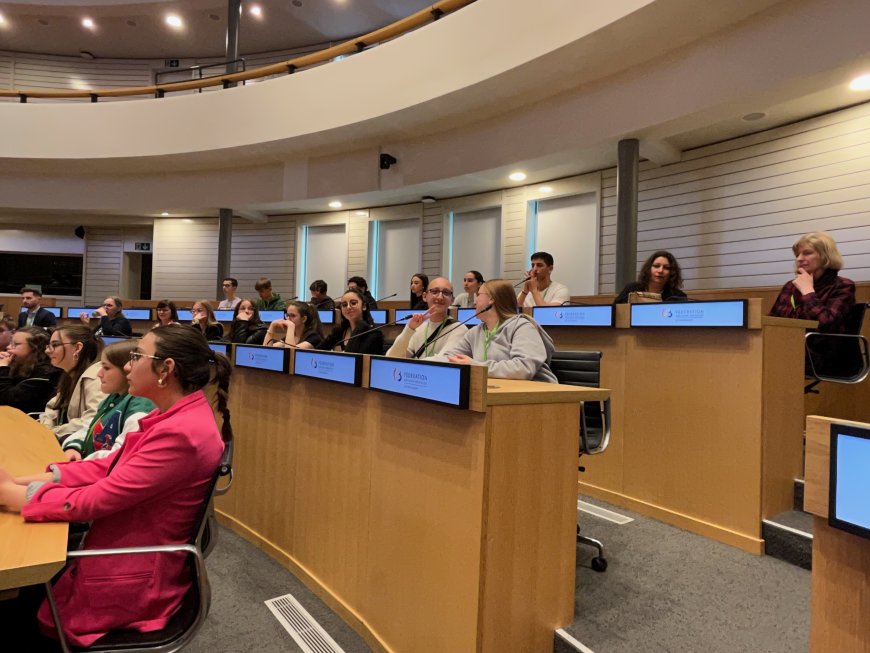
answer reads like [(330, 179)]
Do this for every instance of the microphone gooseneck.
[(441, 335), (377, 328), (520, 283), (380, 299)]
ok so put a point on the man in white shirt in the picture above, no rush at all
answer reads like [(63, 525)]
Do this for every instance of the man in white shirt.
[(229, 287), (427, 334), (540, 289)]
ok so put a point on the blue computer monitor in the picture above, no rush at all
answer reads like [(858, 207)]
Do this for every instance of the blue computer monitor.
[(848, 498), (108, 340), (574, 315), (268, 316), (73, 312), (219, 347), (441, 383), (224, 315), (137, 313), (328, 366), (402, 313), (728, 313), (379, 316), (326, 317), (54, 310), (185, 315), (272, 359), (463, 314)]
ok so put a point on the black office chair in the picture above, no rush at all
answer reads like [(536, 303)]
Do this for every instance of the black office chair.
[(583, 368), (838, 357), (185, 623)]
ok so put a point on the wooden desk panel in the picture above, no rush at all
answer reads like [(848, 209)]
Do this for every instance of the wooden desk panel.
[(427, 528), (30, 553), (841, 561)]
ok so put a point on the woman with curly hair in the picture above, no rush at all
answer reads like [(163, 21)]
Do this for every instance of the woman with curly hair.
[(27, 379)]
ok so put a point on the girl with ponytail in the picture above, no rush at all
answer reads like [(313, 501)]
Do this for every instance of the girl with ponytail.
[(150, 491)]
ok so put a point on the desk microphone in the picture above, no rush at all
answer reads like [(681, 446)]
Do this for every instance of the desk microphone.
[(456, 326), (520, 283), (293, 298), (387, 297), (570, 303), (377, 328)]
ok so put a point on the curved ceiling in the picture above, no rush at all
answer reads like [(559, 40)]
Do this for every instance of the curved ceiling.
[(127, 29)]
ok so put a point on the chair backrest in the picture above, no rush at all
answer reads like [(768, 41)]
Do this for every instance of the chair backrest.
[(855, 318), (577, 367)]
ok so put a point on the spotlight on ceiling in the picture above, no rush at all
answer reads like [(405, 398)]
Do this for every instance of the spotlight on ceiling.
[(517, 176), (256, 10), (428, 199), (88, 23), (335, 204), (86, 54), (174, 21), (860, 83)]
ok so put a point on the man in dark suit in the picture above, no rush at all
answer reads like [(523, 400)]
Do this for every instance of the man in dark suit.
[(35, 315)]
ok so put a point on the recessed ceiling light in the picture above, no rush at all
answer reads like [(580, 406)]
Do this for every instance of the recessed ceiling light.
[(335, 204), (131, 23), (860, 83), (545, 189), (174, 21), (256, 10), (86, 54), (296, 3), (42, 21), (517, 176), (88, 23), (753, 116), (187, 221), (2, 19), (165, 214), (214, 16), (362, 214)]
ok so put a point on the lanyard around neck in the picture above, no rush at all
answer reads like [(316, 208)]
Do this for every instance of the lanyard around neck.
[(488, 336)]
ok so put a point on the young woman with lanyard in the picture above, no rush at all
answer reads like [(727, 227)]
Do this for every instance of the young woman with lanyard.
[(354, 333), (511, 345), (301, 326), (429, 333)]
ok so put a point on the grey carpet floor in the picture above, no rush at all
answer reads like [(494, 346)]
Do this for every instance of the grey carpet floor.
[(664, 590), (668, 590)]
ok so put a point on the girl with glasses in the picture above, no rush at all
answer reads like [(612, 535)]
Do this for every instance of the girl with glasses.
[(300, 326), (354, 332), (150, 491), (118, 414), (167, 313), (511, 345), (75, 350), (205, 321), (113, 322), (27, 379)]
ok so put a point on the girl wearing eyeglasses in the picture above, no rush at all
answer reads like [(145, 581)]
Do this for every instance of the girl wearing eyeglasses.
[(113, 322), (27, 379), (301, 327), (118, 414), (205, 321), (354, 332), (75, 350), (150, 491)]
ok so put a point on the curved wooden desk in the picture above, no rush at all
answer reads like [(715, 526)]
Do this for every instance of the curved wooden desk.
[(707, 423), (30, 553), (427, 528)]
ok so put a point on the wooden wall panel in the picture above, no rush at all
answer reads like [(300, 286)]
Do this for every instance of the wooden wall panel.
[(104, 254), (730, 211), (185, 259), (264, 250)]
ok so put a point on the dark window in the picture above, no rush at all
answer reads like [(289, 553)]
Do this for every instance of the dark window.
[(57, 274)]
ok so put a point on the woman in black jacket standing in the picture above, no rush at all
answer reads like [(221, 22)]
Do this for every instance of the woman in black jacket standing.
[(27, 378), (354, 333)]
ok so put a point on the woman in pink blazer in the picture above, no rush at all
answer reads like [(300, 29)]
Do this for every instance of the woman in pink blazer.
[(150, 491)]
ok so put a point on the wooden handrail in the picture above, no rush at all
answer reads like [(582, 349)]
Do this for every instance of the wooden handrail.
[(413, 21)]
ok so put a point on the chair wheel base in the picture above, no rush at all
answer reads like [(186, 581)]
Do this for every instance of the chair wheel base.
[(599, 564)]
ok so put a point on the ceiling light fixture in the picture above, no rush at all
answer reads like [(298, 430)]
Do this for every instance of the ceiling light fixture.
[(131, 23), (187, 220), (362, 214), (753, 116), (88, 23), (860, 83), (428, 199), (42, 21), (545, 189), (174, 21), (517, 176), (165, 214), (335, 204), (256, 10), (86, 54), (2, 19)]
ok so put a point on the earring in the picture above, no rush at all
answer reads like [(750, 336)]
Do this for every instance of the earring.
[(161, 382)]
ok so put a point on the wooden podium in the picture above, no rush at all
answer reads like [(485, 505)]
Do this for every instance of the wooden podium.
[(427, 528)]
